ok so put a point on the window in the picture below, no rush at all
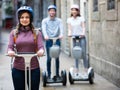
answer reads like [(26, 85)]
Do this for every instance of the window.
[(0, 3), (112, 9), (110, 4), (95, 5)]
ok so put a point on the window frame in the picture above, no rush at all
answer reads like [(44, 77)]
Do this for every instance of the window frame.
[(109, 3), (95, 14), (112, 14), (95, 6)]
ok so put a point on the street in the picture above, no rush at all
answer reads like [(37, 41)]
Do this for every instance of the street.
[(65, 63)]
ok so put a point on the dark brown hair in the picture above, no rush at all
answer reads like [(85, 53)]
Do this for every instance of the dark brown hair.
[(77, 14)]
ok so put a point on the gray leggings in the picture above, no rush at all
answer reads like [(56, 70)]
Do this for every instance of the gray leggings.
[(82, 43)]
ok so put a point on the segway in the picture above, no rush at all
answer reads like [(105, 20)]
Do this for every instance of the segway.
[(80, 75), (54, 53), (27, 59)]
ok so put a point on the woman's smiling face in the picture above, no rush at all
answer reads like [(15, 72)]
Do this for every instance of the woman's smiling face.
[(25, 19), (74, 12)]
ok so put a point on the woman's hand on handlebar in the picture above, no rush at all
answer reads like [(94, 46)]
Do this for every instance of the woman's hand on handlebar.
[(11, 53), (40, 53)]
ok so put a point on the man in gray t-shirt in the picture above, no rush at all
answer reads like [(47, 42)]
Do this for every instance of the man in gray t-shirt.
[(52, 27)]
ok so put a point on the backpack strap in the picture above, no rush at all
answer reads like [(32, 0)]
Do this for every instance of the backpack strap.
[(14, 39), (36, 34), (35, 37)]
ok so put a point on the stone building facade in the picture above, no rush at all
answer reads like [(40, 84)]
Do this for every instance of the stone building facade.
[(102, 31), (104, 38), (40, 9)]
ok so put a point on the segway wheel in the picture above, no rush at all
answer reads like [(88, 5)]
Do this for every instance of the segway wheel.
[(64, 77), (71, 79), (91, 77), (44, 79)]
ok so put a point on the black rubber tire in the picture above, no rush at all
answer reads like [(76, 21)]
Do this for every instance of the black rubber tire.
[(71, 79), (44, 79), (64, 77), (91, 77)]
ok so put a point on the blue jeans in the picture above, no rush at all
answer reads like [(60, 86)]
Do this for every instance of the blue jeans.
[(49, 44), (82, 43), (18, 77)]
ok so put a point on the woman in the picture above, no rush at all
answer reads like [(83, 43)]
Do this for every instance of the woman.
[(76, 27), (25, 39)]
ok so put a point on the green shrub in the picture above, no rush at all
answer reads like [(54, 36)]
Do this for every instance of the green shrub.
[(9, 10)]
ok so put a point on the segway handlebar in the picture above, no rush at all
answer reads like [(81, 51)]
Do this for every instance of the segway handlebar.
[(54, 39), (76, 36), (22, 54)]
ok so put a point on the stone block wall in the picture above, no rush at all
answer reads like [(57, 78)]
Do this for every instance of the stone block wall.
[(103, 35), (105, 41)]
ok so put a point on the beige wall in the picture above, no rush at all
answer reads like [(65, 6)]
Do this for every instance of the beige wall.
[(105, 41), (103, 37), (64, 15)]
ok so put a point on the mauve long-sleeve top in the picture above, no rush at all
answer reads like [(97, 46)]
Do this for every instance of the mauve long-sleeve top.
[(25, 43)]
